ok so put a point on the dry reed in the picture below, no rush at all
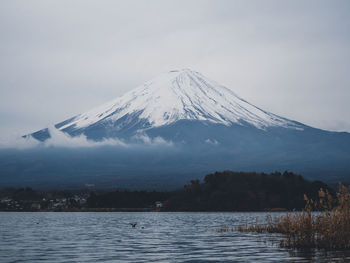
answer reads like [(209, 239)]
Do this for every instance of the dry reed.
[(327, 229)]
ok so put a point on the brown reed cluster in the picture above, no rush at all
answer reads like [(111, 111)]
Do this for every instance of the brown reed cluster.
[(327, 228)]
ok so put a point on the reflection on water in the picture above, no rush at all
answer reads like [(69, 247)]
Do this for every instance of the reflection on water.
[(157, 237)]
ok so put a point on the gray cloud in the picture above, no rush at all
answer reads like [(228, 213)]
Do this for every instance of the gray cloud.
[(60, 58), (61, 139)]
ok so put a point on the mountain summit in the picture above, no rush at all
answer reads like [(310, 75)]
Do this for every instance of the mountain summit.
[(172, 96), (175, 127)]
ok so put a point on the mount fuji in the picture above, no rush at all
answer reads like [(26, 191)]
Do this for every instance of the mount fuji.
[(175, 127), (173, 97)]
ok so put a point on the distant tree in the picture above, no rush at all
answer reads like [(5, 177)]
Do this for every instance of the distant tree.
[(245, 191)]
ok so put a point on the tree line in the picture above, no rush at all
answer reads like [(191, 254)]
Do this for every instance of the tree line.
[(219, 191)]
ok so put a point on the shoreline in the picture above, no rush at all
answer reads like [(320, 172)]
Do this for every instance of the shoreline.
[(145, 210)]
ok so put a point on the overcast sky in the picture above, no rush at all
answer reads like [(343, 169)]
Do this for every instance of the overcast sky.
[(60, 58)]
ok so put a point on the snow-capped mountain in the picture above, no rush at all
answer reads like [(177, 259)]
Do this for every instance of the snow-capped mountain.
[(173, 96), (205, 126)]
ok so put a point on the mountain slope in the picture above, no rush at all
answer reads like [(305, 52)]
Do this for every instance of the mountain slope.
[(206, 128), (171, 97)]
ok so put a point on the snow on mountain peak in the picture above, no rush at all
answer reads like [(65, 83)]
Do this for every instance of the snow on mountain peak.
[(177, 95)]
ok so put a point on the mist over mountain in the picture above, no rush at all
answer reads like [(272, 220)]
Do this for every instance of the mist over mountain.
[(175, 127)]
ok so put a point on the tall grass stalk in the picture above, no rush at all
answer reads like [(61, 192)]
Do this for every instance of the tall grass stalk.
[(327, 229)]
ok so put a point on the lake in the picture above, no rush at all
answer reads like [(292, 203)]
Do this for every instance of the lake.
[(157, 237)]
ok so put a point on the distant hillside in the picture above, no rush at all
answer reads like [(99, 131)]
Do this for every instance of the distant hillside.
[(238, 191), (225, 191)]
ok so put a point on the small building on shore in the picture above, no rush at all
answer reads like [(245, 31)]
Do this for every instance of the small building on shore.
[(159, 204)]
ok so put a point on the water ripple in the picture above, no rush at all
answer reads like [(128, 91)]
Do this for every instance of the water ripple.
[(158, 237)]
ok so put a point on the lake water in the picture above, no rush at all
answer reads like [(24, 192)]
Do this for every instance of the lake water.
[(157, 237)]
